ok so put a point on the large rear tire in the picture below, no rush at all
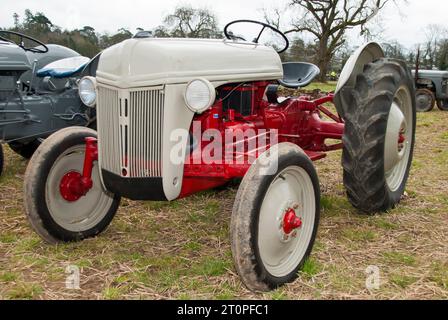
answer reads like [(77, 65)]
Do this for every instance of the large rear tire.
[(51, 215), (442, 105), (379, 136), (275, 219)]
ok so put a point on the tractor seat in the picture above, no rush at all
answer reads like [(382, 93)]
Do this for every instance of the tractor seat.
[(298, 74), (63, 68)]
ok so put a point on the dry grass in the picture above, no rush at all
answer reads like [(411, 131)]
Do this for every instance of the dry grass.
[(181, 250)]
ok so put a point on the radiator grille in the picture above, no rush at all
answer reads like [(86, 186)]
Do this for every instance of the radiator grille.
[(130, 130)]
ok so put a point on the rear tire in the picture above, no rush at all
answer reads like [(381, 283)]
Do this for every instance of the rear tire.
[(51, 216), (381, 113), (425, 100), (26, 150), (265, 255), (442, 105)]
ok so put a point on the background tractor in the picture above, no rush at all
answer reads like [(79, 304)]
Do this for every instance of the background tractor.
[(431, 88), (38, 91), (179, 116)]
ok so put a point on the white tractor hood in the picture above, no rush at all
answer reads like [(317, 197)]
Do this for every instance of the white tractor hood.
[(147, 62)]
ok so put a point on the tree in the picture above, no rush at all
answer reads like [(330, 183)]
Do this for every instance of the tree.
[(39, 22), (394, 50), (328, 21), (189, 22), (16, 17), (107, 40), (442, 55), (299, 50), (433, 33), (89, 33)]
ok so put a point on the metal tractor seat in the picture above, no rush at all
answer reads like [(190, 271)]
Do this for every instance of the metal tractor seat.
[(298, 74), (63, 68)]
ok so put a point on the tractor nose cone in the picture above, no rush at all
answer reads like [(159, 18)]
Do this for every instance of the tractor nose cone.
[(291, 222)]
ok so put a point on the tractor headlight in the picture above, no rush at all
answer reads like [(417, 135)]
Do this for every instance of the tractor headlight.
[(86, 90), (200, 95)]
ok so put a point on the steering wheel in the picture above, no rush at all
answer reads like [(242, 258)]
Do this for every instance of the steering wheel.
[(22, 44), (229, 34)]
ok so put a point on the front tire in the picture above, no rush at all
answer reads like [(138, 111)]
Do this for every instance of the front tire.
[(53, 217), (425, 100), (379, 136), (275, 219)]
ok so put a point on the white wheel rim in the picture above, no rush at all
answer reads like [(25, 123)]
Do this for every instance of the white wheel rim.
[(292, 186), (88, 211), (397, 155)]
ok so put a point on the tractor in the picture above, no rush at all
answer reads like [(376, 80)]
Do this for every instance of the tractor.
[(180, 116), (39, 91), (431, 88)]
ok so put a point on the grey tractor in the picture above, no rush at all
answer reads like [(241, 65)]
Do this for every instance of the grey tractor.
[(39, 91), (432, 89)]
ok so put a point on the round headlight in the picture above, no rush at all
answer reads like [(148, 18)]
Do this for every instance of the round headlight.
[(87, 93), (200, 95)]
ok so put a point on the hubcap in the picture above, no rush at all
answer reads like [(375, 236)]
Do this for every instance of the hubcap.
[(68, 206), (291, 222), (423, 101), (70, 186), (399, 135), (286, 221)]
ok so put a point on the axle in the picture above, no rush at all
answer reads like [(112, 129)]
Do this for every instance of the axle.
[(74, 185)]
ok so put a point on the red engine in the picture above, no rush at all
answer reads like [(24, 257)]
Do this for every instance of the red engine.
[(246, 119)]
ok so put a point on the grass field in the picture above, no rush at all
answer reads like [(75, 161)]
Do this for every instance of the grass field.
[(181, 250)]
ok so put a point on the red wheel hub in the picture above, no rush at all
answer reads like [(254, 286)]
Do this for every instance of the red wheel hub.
[(401, 138), (291, 222), (73, 186)]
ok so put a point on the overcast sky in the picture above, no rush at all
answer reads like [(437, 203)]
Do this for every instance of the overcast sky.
[(109, 15)]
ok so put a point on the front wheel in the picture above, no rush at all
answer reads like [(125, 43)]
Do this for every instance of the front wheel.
[(379, 136), (54, 214), (442, 105), (275, 218), (425, 100)]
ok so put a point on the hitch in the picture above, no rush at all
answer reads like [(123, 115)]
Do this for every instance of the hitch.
[(74, 185)]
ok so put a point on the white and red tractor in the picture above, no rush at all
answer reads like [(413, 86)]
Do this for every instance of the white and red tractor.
[(179, 116)]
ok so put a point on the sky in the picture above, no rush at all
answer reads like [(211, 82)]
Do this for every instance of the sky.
[(405, 25)]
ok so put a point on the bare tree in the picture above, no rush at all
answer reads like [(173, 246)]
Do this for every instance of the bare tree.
[(434, 34), (328, 21), (189, 22)]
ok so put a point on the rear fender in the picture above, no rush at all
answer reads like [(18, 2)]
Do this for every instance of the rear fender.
[(355, 66)]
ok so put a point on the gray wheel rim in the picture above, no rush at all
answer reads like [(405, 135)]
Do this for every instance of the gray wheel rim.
[(293, 186), (397, 155), (423, 102), (87, 212)]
